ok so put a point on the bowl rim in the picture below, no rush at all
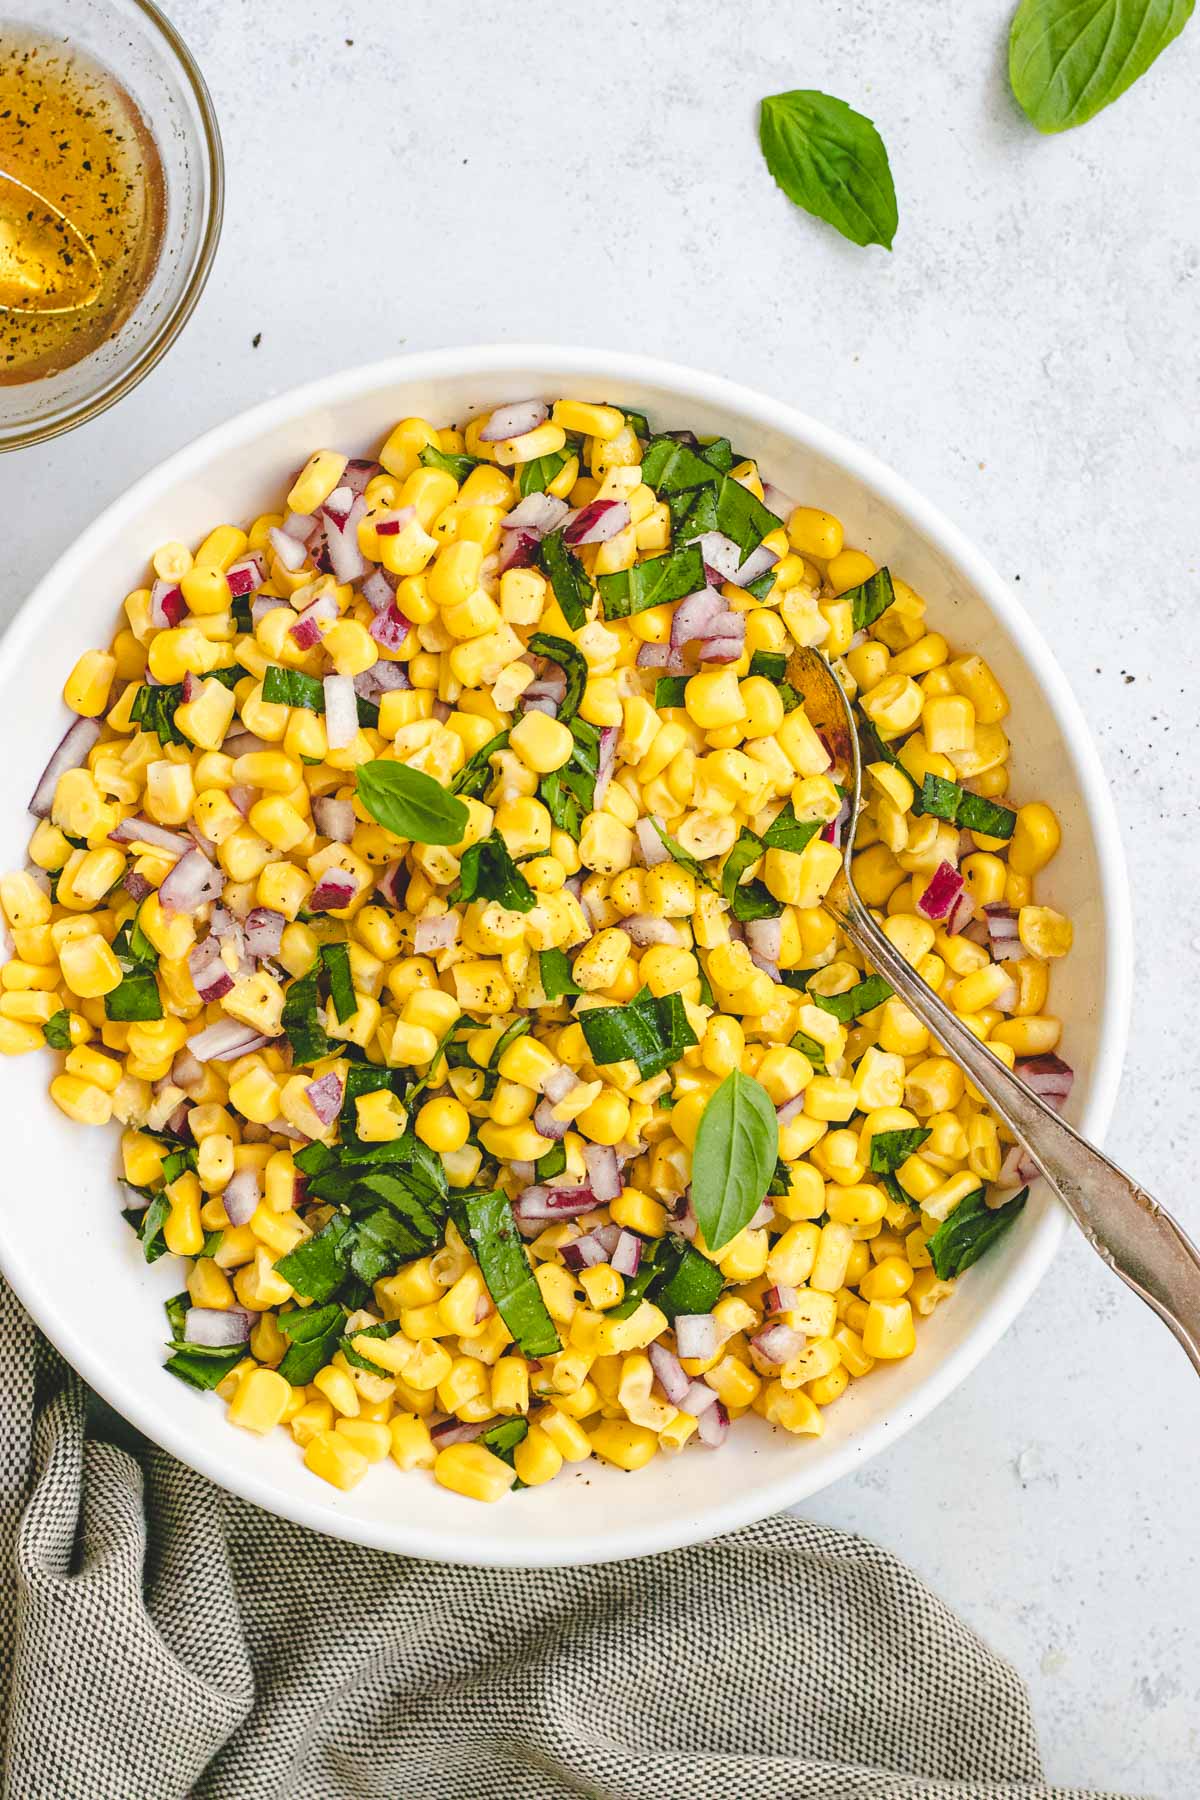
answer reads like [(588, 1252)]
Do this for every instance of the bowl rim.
[(758, 1499), (175, 317)]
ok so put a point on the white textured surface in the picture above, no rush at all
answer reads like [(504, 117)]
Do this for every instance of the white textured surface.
[(1026, 357)]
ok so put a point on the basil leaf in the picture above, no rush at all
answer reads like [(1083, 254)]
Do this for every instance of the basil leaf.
[(411, 804), (336, 958), (718, 452), (568, 578), (971, 1229), (752, 899), (736, 1147), (637, 422), (573, 664), (477, 771), (861, 998), (318, 1267), (535, 477), (486, 1223), (385, 1328), (771, 663), (651, 1031), (487, 872), (808, 1046), (154, 710), (830, 160), (302, 1019), (177, 1309), (290, 687), (313, 1333), (890, 1148), (742, 516), (670, 467), (690, 1283), (57, 1030), (503, 1439), (552, 1164), (637, 1286), (203, 1366), (175, 1164), (671, 576), (565, 811), (136, 998), (683, 857), (1068, 59), (451, 462), (870, 599), (693, 512), (943, 799), (554, 969), (669, 690), (787, 832), (761, 586), (382, 1241)]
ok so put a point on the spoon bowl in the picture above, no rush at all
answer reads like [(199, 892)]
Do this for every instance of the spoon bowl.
[(46, 263)]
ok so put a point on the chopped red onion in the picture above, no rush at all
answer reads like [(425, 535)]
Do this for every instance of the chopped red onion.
[(306, 632), (518, 549), (712, 1427), (759, 561), (192, 883), (358, 472), (653, 656), (437, 933), (1017, 1168), (388, 885), (288, 550), (653, 849), (334, 818), (669, 1373), (335, 890), (585, 1253), (778, 1343), (264, 931), (346, 559), (596, 522), (390, 628), (325, 1097), (391, 521), (722, 557), (377, 590), (626, 1255), (1049, 1077), (246, 575), (514, 420), (791, 1109), (336, 506), (135, 885), (186, 1072), (341, 711), (455, 1431), (177, 1121), (540, 513), (780, 1298), (767, 968), (382, 677), (559, 1083), (962, 911), (210, 977), (225, 1040), (695, 1336), (241, 743), (698, 1399), (701, 615), (545, 1121), (72, 753), (776, 501), (606, 761), (644, 930), (241, 1195), (299, 525), (762, 1217), (1002, 930), (543, 1203), (604, 1177), (216, 1327), (945, 885), (725, 649), (764, 937)]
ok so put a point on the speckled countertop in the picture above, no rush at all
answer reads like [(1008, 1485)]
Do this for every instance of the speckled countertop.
[(412, 175)]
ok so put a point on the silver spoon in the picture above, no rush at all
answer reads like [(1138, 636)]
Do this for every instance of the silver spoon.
[(46, 264), (1133, 1234)]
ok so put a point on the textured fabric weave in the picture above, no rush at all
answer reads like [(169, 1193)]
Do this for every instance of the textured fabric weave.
[(163, 1640)]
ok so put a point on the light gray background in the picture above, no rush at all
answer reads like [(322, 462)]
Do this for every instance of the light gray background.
[(590, 174)]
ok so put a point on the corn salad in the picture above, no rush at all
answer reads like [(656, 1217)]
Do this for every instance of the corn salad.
[(420, 1114)]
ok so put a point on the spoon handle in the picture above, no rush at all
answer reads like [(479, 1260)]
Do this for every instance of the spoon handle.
[(1126, 1227)]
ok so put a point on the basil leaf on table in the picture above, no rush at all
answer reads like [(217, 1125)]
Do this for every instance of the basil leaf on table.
[(1069, 59), (487, 1224), (411, 804), (831, 161), (736, 1148), (972, 1228)]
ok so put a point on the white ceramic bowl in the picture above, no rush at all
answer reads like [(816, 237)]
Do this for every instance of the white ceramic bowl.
[(74, 1262)]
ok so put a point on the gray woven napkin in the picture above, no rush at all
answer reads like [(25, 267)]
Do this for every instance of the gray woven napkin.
[(162, 1639)]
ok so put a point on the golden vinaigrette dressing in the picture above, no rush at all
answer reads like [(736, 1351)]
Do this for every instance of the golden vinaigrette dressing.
[(81, 205)]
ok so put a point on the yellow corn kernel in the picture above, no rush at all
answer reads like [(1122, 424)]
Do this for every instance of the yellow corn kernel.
[(87, 686), (889, 1332), (713, 699), (329, 1455), (625, 1445), (339, 1390), (471, 1469), (260, 1401), (537, 1457), (1036, 836), (316, 481), (1044, 932), (815, 533)]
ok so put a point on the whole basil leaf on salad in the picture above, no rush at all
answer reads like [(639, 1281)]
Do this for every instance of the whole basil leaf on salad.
[(734, 1158), (830, 160), (411, 804)]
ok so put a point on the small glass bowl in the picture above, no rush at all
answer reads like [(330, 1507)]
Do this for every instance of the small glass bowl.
[(146, 55)]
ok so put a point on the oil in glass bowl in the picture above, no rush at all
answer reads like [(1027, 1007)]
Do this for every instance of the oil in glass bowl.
[(81, 205)]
